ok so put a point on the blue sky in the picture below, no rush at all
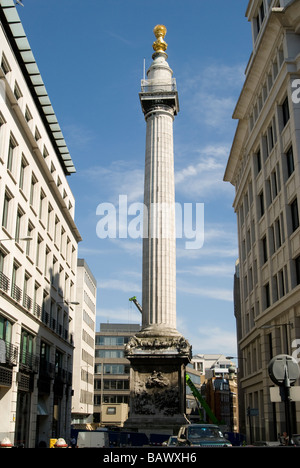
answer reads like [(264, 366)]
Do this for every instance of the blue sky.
[(91, 57)]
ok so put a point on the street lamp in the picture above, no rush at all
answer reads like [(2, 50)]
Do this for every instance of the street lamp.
[(68, 302), (27, 238)]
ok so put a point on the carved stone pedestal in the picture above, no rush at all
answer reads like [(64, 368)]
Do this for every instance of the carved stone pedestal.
[(157, 382)]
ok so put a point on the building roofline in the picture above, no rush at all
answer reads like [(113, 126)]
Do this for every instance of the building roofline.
[(14, 30), (81, 262)]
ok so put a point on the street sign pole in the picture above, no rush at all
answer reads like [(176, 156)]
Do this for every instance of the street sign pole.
[(284, 371)]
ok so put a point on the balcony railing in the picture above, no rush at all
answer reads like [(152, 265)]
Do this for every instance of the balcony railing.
[(16, 292), (27, 302), (4, 282), (29, 361), (148, 87), (8, 353), (38, 311)]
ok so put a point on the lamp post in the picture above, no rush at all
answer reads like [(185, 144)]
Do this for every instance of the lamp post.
[(69, 302), (27, 238)]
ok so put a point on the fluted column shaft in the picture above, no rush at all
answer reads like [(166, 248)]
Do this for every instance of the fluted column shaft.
[(159, 245)]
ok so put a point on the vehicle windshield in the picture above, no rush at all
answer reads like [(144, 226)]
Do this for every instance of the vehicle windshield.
[(204, 432)]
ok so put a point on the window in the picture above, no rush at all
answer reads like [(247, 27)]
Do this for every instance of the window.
[(294, 215), (5, 329), (278, 238), (27, 348), (297, 266), (267, 295), (111, 410), (258, 161), (261, 203), (290, 161), (32, 189), (258, 20), (281, 283), (285, 112), (274, 184), (28, 115), (24, 164), (18, 224), (16, 292), (5, 65), (30, 230), (10, 157), (6, 206), (17, 91), (264, 249)]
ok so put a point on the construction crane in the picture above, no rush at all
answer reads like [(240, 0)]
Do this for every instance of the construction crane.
[(199, 399), (138, 305)]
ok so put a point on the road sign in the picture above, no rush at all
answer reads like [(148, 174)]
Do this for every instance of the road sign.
[(283, 370)]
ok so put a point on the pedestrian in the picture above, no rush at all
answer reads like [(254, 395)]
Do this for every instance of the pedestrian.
[(73, 442)]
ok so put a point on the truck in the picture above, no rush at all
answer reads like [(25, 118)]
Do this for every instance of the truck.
[(93, 439)]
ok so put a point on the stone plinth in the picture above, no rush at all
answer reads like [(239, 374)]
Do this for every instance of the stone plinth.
[(157, 392)]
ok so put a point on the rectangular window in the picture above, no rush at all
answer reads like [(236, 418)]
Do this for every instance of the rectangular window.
[(258, 161), (5, 65), (18, 224), (267, 295), (261, 203), (10, 156), (5, 214), (294, 215), (297, 266), (285, 111), (17, 91), (264, 249), (278, 238), (32, 190), (274, 184), (290, 161)]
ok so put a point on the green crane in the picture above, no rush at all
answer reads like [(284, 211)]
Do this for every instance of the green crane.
[(134, 299), (199, 399)]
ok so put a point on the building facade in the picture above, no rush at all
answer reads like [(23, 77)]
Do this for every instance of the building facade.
[(263, 166), (84, 341), (112, 373), (38, 250)]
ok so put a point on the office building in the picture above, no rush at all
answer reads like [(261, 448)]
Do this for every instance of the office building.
[(84, 341), (112, 373), (38, 250), (263, 166)]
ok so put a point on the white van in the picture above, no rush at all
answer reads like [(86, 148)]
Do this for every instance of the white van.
[(93, 439)]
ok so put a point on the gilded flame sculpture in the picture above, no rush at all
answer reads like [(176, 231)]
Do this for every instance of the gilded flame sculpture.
[(160, 45)]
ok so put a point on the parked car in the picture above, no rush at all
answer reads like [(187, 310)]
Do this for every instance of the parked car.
[(202, 435), (172, 440)]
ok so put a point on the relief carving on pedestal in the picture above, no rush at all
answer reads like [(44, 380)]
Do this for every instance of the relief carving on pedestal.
[(153, 344), (156, 394)]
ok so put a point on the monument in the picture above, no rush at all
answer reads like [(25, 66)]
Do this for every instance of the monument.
[(158, 353)]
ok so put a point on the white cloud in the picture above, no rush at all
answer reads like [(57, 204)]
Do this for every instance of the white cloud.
[(221, 270), (119, 285), (118, 315), (209, 93), (119, 178), (214, 340), (221, 294), (203, 176)]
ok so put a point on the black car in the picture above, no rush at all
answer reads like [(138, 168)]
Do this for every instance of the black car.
[(202, 435)]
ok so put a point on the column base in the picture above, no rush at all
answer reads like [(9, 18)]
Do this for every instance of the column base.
[(157, 381)]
